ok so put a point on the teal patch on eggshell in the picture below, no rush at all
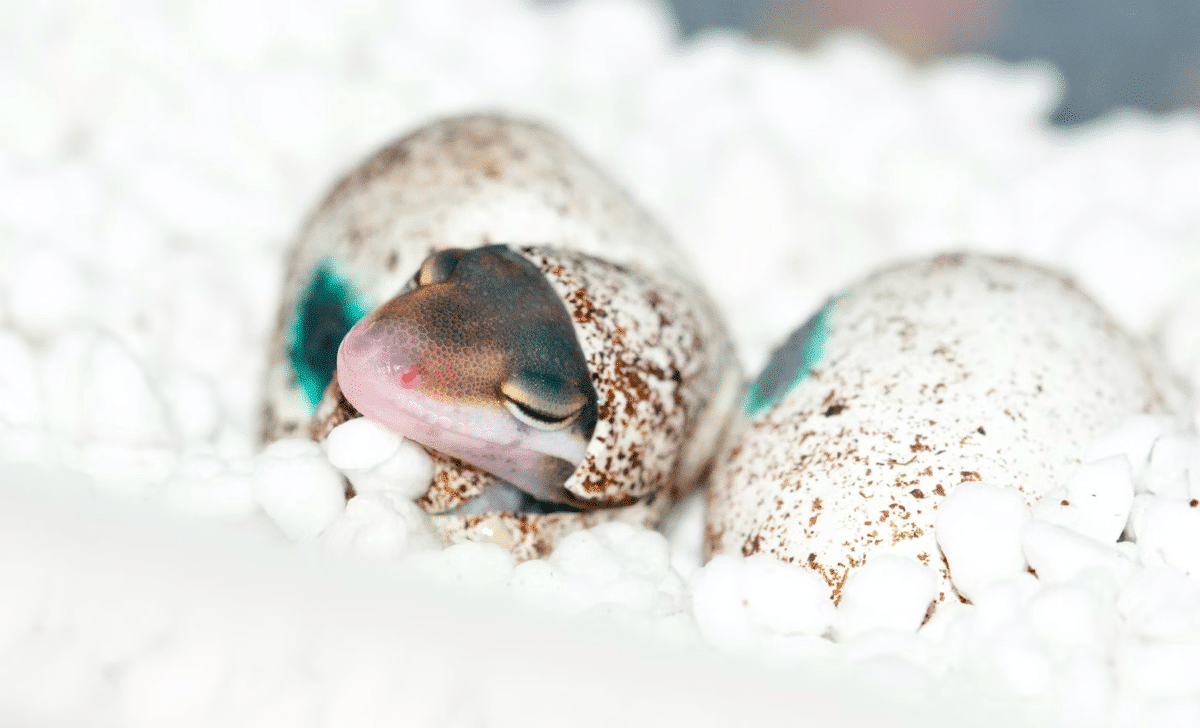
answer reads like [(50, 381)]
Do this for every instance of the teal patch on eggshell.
[(326, 311), (792, 362)]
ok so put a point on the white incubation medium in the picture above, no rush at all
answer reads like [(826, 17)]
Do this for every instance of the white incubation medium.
[(226, 609)]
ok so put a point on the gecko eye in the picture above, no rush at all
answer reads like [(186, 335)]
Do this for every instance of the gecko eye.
[(543, 401), (439, 266)]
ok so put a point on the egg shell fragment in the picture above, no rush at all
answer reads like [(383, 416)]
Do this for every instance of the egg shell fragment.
[(948, 370)]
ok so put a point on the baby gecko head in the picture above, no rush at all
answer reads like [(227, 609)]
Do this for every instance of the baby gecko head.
[(478, 359)]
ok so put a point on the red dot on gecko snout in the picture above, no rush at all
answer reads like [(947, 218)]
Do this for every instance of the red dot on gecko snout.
[(411, 378)]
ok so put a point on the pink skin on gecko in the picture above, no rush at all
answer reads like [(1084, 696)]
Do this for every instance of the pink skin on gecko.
[(478, 359)]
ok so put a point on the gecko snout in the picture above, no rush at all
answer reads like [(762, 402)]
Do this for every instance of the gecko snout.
[(373, 363)]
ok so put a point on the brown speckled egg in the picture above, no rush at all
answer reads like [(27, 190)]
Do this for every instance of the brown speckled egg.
[(585, 277), (923, 376)]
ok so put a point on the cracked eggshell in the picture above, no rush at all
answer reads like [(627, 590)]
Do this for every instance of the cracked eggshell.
[(664, 395), (925, 375), (662, 363)]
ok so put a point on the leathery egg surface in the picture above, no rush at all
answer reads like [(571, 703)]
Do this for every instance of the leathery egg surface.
[(663, 367), (925, 375)]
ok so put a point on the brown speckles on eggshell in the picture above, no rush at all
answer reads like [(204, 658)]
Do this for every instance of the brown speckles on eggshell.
[(669, 368), (531, 536), (650, 370), (924, 352), (454, 483)]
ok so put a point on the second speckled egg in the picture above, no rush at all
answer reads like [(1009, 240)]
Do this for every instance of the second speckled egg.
[(926, 375)]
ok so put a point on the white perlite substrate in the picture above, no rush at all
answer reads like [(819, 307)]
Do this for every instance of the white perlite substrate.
[(156, 158)]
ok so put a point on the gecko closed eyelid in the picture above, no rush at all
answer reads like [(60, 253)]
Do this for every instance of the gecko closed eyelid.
[(484, 290)]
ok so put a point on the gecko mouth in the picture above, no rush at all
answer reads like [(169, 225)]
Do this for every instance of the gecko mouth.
[(380, 379), (496, 497)]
